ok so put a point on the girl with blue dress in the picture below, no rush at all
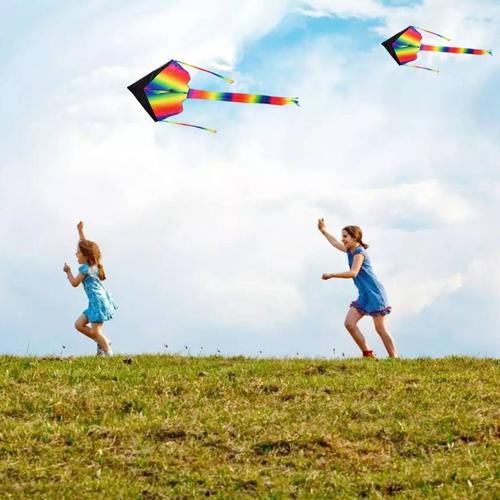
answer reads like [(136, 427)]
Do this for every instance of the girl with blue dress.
[(372, 299), (101, 305)]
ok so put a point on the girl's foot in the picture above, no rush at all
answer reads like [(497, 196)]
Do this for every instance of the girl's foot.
[(105, 354), (368, 354), (100, 352)]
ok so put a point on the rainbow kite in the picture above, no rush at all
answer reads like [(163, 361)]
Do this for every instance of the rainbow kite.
[(405, 45), (162, 92)]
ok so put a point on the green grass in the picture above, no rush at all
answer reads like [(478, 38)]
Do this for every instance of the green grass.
[(171, 426)]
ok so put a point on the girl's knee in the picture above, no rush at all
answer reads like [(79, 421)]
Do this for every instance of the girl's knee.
[(349, 325), (81, 323)]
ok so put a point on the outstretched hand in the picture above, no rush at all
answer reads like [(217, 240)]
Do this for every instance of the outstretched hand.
[(66, 268), (326, 276), (321, 224), (79, 226)]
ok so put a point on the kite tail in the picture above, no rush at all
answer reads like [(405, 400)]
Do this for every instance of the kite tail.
[(189, 125), (432, 33), (229, 80), (454, 50), (242, 98), (422, 67)]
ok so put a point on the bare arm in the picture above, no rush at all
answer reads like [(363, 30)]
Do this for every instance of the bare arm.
[(352, 273), (333, 241), (79, 226), (74, 280)]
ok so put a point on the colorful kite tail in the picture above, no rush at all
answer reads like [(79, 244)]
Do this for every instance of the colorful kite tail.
[(432, 33), (189, 125), (455, 50), (242, 98), (229, 80)]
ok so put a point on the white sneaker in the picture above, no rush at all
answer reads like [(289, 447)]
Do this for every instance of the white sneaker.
[(109, 353), (100, 352)]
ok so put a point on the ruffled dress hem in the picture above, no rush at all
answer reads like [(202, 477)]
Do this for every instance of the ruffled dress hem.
[(98, 319), (380, 312)]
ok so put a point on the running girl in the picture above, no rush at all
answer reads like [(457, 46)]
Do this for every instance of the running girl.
[(372, 300), (101, 305)]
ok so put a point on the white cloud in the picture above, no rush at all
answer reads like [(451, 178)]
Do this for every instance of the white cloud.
[(246, 300), (421, 204), (220, 230), (416, 291), (484, 274), (344, 8)]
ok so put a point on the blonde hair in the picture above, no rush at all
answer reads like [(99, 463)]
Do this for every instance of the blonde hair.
[(92, 253)]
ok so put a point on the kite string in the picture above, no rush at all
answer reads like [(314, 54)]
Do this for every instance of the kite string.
[(189, 125), (432, 33), (422, 67), (229, 80)]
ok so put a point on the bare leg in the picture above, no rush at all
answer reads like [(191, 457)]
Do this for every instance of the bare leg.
[(81, 325), (379, 322), (100, 338), (93, 332), (351, 324)]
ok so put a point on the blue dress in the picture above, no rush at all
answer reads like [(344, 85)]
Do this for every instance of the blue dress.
[(102, 307), (372, 299)]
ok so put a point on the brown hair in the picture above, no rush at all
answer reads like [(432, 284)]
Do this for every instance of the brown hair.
[(92, 253), (356, 234)]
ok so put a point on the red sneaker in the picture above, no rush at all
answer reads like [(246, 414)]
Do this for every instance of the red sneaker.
[(368, 354)]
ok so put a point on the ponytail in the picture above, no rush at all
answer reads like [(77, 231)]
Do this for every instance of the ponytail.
[(100, 271), (364, 245), (93, 254)]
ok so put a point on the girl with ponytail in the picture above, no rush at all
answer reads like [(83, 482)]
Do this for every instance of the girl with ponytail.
[(101, 305), (372, 300)]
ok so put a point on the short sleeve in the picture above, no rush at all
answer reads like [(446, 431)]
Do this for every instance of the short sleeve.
[(357, 250), (84, 269)]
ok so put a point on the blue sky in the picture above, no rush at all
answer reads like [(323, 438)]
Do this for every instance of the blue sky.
[(210, 241)]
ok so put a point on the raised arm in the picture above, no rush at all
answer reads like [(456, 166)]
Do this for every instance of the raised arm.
[(333, 241), (352, 273), (79, 226)]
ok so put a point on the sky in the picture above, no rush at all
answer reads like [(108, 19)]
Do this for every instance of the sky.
[(210, 240)]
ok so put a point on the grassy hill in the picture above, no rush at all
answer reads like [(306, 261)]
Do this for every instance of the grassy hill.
[(172, 426)]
